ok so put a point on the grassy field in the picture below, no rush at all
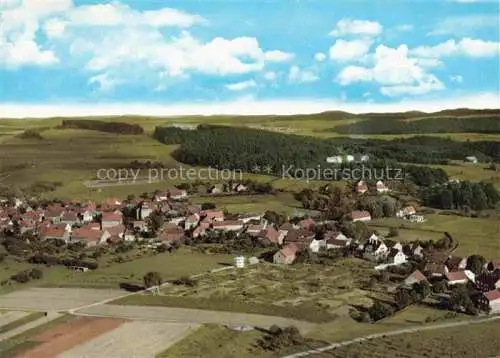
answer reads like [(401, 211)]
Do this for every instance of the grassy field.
[(111, 274), (281, 203), (474, 235), (304, 292), (476, 340), (212, 341)]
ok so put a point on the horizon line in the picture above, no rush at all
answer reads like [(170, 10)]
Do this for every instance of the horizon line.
[(243, 107)]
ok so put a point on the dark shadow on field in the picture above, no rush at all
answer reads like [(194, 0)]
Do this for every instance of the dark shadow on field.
[(224, 264), (131, 287)]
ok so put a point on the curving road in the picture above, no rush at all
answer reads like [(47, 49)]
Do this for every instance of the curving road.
[(392, 333)]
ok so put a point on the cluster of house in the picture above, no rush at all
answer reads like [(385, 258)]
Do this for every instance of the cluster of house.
[(452, 269), (349, 158), (87, 223), (362, 187)]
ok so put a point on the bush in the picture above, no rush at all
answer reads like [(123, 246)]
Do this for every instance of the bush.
[(185, 281), (393, 232), (279, 338), (35, 274), (21, 277)]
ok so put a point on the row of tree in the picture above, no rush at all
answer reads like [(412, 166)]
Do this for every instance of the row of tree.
[(476, 196)]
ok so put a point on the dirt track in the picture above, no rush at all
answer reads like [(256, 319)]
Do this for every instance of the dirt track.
[(133, 339), (171, 314), (55, 299), (11, 316)]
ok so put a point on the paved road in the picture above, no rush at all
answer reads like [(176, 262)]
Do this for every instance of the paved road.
[(392, 333), (185, 315), (25, 327)]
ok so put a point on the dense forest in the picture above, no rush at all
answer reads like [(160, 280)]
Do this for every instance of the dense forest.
[(109, 127), (245, 148), (475, 196), (397, 125)]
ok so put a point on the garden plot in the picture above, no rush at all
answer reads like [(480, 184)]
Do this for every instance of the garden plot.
[(326, 286)]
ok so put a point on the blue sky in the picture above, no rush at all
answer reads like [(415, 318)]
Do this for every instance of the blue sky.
[(316, 54)]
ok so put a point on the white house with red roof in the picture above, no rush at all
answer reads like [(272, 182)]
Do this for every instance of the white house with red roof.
[(89, 237), (110, 219), (286, 255), (177, 194), (381, 187), (361, 187), (54, 233), (457, 277), (490, 301)]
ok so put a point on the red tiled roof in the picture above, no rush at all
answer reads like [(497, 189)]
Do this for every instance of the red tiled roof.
[(53, 232), (227, 223), (210, 214), (111, 216), (289, 250), (492, 295), (87, 234), (456, 276), (360, 214)]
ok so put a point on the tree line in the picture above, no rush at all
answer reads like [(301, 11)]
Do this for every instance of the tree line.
[(477, 124), (101, 126), (457, 196), (246, 148)]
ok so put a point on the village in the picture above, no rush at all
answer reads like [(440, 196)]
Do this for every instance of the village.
[(167, 219)]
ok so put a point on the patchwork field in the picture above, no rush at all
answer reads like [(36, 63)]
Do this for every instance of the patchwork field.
[(131, 339), (474, 235), (303, 292)]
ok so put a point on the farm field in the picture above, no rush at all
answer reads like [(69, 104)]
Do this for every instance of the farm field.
[(476, 340), (300, 291), (54, 299), (474, 235), (14, 319), (213, 341), (113, 275), (131, 339), (281, 203)]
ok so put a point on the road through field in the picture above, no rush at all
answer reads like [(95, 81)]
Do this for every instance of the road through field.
[(194, 316), (388, 334)]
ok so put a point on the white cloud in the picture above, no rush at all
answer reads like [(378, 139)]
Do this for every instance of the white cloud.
[(19, 24), (270, 76), (344, 50), (457, 79), (320, 57), (104, 82), (464, 24), (297, 75), (356, 27), (395, 71), (404, 28), (54, 28), (240, 86), (466, 47), (278, 56), (115, 14)]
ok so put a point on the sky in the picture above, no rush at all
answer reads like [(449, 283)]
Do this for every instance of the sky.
[(82, 57)]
